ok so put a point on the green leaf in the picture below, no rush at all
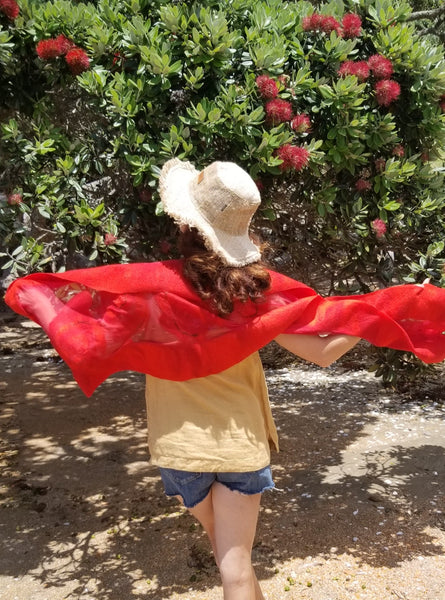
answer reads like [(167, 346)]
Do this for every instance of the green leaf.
[(269, 214), (159, 211), (391, 206), (326, 91), (44, 212)]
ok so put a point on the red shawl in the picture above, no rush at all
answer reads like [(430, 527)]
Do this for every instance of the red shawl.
[(144, 317)]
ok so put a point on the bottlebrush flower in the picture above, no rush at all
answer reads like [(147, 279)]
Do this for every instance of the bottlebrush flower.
[(398, 150), (380, 165), (284, 79), (145, 195), (267, 87), (346, 68), (65, 44), (360, 69), (386, 91), (14, 199), (308, 23), (109, 239), (379, 227), (278, 111), (352, 25), (260, 185), (362, 185), (10, 8), (380, 66), (48, 49), (293, 157), (301, 123), (331, 24), (325, 23), (118, 59), (78, 61)]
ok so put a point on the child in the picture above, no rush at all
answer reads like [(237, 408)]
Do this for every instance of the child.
[(211, 436)]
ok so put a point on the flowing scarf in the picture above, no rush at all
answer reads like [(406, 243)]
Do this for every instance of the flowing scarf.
[(145, 317)]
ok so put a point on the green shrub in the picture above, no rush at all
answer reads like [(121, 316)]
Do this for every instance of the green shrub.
[(353, 184)]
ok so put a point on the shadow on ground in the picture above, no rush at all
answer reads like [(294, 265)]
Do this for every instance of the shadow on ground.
[(82, 511)]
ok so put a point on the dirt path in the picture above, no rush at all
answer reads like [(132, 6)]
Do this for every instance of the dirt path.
[(359, 512)]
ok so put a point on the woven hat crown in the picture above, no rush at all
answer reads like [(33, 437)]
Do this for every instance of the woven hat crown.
[(226, 197), (219, 202)]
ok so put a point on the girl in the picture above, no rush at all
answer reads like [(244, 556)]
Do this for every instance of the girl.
[(211, 436)]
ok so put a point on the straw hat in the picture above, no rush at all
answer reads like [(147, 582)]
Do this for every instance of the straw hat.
[(218, 201)]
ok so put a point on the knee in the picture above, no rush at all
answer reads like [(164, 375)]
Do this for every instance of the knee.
[(236, 570)]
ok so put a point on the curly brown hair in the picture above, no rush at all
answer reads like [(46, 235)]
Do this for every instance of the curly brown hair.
[(215, 281)]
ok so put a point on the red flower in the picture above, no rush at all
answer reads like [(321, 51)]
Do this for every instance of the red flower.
[(379, 227), (65, 45), (110, 239), (380, 66), (14, 199), (307, 23), (360, 69), (278, 111), (313, 22), (398, 150), (325, 23), (77, 60), (301, 123), (118, 59), (442, 103), (145, 195), (267, 87), (331, 24), (48, 49), (260, 185), (10, 8), (293, 157), (380, 164), (284, 79), (362, 185), (352, 25), (386, 91), (346, 68)]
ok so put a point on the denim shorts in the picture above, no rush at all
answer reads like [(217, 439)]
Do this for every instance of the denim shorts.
[(193, 487)]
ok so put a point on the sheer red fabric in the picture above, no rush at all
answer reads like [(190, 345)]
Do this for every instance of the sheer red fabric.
[(145, 317)]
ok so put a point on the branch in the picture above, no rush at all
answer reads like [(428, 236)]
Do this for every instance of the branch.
[(432, 31), (436, 28), (425, 14)]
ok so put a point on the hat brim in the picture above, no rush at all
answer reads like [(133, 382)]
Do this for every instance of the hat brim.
[(177, 201)]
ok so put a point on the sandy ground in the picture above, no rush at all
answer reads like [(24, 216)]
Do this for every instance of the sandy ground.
[(359, 512)]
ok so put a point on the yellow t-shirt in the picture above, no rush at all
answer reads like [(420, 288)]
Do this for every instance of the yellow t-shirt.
[(221, 422)]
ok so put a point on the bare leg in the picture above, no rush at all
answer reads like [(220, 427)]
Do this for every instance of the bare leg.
[(230, 519), (203, 512)]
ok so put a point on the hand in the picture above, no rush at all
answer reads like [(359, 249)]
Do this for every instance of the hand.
[(40, 302)]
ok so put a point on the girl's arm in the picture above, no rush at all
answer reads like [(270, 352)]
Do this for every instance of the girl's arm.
[(321, 350)]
